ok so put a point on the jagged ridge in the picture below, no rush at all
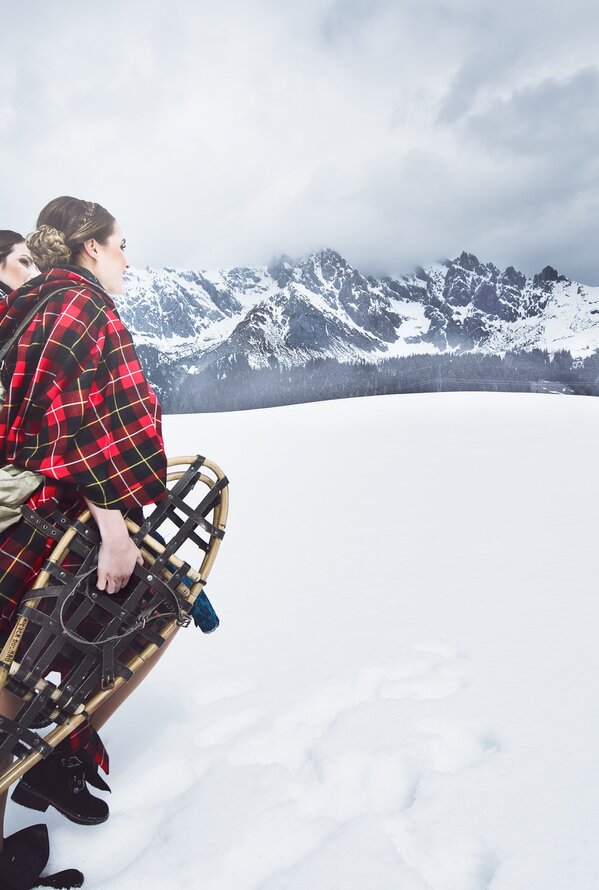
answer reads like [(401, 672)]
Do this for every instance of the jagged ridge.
[(319, 306)]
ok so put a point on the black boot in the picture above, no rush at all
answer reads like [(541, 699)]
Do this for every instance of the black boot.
[(61, 781), (24, 858)]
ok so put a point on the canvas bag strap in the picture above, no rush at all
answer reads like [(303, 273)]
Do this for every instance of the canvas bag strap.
[(26, 321)]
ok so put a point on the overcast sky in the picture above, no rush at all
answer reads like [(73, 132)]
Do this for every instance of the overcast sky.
[(395, 131)]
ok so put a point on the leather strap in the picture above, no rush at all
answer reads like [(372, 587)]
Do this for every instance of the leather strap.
[(39, 304)]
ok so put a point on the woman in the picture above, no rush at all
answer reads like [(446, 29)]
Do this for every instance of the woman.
[(78, 411), (16, 263)]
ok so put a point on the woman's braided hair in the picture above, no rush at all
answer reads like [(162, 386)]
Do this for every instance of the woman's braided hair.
[(62, 228)]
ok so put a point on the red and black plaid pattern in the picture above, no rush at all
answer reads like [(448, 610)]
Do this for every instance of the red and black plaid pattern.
[(86, 739), (79, 411)]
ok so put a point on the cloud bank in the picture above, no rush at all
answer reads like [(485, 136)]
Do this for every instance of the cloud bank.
[(395, 132)]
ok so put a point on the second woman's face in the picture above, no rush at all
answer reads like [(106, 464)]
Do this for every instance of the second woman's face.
[(18, 267)]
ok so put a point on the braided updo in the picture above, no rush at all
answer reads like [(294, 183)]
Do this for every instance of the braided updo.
[(62, 228)]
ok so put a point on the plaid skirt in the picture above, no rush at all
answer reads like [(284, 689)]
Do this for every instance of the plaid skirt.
[(22, 554)]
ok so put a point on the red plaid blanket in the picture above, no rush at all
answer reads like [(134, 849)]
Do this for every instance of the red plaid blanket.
[(78, 410)]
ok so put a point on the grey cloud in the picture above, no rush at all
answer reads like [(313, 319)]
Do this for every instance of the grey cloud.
[(346, 18), (510, 42), (394, 132), (481, 68), (553, 117)]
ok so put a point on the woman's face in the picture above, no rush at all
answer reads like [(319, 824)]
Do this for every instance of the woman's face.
[(18, 267), (110, 262)]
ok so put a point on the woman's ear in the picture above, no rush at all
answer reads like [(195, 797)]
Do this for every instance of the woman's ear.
[(90, 248)]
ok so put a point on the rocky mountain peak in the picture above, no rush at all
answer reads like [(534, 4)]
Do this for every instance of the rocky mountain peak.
[(467, 261), (321, 306), (281, 269), (547, 277)]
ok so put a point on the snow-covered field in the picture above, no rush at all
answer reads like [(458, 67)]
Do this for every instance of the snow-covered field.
[(404, 690)]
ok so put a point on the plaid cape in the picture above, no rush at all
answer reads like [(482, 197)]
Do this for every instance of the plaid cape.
[(79, 411)]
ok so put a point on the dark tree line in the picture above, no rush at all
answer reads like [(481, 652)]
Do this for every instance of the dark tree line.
[(236, 386)]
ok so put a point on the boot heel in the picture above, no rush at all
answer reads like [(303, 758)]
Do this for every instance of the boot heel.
[(29, 799)]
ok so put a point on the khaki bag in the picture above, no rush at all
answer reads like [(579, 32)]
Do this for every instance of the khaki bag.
[(16, 487)]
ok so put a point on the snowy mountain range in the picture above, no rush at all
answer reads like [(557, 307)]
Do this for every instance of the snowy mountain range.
[(293, 311)]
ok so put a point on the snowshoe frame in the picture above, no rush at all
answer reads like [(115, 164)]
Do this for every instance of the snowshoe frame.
[(101, 640)]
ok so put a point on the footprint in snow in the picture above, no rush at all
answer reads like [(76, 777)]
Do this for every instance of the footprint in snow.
[(227, 687), (222, 731), (379, 709)]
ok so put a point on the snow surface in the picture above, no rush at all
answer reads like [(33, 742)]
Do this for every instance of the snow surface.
[(403, 691)]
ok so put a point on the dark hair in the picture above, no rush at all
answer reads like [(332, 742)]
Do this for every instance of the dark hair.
[(8, 240), (63, 226)]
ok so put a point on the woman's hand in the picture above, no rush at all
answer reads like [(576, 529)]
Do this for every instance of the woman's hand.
[(118, 554), (116, 561)]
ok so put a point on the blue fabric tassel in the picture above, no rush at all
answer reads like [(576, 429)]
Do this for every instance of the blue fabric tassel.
[(203, 614)]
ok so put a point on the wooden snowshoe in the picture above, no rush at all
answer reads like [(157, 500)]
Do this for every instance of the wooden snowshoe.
[(97, 641)]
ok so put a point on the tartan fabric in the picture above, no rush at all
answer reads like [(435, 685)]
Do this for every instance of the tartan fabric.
[(79, 411), (86, 740), (78, 407)]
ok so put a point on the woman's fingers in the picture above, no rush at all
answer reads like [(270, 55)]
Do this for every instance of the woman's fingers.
[(106, 582), (111, 585), (116, 562), (118, 554)]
